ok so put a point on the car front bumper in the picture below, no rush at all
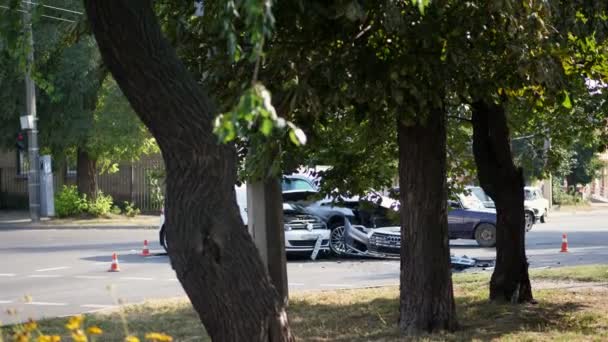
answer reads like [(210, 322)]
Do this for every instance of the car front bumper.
[(304, 240)]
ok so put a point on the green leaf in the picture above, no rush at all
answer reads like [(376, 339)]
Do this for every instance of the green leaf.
[(567, 103)]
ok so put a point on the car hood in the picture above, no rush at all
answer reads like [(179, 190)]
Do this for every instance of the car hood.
[(388, 230)]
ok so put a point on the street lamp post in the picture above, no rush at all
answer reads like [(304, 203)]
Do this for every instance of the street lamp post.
[(28, 122)]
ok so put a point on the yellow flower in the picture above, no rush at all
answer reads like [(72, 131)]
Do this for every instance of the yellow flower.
[(79, 336), (131, 339), (30, 325), (158, 337), (22, 337), (49, 338), (74, 323), (94, 330)]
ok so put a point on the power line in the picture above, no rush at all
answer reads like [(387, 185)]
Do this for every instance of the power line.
[(53, 7), (42, 15)]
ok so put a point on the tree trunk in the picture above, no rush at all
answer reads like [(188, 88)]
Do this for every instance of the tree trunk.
[(426, 296), (504, 183), (86, 174), (213, 255)]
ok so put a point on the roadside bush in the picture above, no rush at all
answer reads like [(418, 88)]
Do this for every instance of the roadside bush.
[(563, 197), (131, 210), (101, 206), (116, 210), (68, 202)]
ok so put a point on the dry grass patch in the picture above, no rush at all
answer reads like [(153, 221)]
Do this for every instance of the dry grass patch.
[(371, 315)]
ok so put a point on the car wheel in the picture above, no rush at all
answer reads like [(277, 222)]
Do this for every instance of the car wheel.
[(162, 238), (336, 240), (485, 234), (543, 219), (529, 220)]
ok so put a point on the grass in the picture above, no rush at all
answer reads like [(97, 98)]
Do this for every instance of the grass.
[(371, 314), (592, 273)]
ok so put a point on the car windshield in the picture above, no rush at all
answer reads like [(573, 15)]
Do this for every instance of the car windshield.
[(470, 201), (479, 193), (529, 195), (290, 184)]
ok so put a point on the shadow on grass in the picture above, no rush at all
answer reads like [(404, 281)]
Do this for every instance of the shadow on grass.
[(371, 315)]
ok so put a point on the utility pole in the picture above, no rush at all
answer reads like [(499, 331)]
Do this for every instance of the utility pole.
[(33, 179)]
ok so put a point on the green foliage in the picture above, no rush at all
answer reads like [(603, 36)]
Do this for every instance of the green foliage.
[(115, 210), (130, 209), (68, 202), (563, 197), (101, 205), (156, 181)]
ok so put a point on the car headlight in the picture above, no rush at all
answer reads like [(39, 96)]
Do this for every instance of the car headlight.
[(287, 227)]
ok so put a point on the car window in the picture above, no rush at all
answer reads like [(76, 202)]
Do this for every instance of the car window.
[(480, 194), (529, 195), (454, 205), (296, 184)]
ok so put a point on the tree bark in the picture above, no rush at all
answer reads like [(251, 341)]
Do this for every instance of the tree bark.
[(426, 295), (86, 174), (213, 255), (504, 183)]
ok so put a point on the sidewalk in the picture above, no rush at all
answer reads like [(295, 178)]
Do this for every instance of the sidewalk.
[(591, 208), (21, 220)]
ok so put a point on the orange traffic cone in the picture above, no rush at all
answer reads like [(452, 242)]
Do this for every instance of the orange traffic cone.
[(145, 252), (114, 267), (564, 244)]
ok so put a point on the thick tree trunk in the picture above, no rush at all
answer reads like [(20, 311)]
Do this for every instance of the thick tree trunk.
[(502, 181), (213, 255), (86, 174), (426, 296)]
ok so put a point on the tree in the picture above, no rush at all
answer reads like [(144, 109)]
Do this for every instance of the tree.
[(213, 256)]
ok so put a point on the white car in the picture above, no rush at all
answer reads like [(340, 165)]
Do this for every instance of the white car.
[(533, 199), (303, 232)]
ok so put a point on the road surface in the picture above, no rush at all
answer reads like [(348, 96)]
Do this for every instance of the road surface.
[(50, 273)]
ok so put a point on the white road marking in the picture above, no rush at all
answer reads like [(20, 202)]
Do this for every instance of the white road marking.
[(5, 301), (296, 284), (170, 279), (337, 285), (44, 276), (53, 269), (136, 278), (90, 277), (47, 304), (7, 274), (97, 306)]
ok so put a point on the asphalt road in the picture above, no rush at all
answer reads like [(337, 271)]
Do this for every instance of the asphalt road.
[(64, 272)]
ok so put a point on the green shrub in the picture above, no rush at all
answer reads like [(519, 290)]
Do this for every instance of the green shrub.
[(68, 202), (116, 210), (101, 206), (131, 210)]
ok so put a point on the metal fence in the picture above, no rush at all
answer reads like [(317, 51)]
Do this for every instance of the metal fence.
[(130, 183)]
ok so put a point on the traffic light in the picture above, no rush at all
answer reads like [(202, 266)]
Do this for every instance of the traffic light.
[(20, 143)]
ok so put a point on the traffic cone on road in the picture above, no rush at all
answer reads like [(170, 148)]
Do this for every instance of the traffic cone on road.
[(145, 251), (114, 267), (564, 244)]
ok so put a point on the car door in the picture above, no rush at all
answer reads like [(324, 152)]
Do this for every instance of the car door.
[(455, 219)]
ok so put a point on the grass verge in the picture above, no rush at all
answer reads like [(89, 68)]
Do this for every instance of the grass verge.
[(371, 314)]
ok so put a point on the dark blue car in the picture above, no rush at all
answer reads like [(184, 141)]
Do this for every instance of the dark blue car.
[(469, 219)]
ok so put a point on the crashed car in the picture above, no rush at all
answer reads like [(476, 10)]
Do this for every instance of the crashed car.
[(376, 224), (304, 232), (386, 243)]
